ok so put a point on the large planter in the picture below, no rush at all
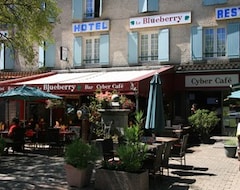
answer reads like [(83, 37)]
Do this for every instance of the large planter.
[(76, 177), (230, 150), (120, 180)]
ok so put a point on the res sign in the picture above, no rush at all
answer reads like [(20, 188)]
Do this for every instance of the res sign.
[(227, 13)]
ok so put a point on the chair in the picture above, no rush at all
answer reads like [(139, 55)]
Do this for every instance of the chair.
[(179, 150), (107, 149), (53, 139), (166, 155), (154, 160), (107, 129), (18, 140), (76, 130)]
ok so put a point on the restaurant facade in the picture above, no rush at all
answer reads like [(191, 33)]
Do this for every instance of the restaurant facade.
[(196, 42)]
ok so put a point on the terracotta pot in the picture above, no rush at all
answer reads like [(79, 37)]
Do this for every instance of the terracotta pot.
[(78, 177)]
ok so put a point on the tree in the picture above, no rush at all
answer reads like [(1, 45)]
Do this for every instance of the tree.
[(28, 23)]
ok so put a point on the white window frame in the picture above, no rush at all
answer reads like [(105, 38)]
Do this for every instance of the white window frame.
[(214, 34), (92, 50), (149, 50)]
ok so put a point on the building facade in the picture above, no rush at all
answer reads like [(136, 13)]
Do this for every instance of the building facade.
[(200, 38)]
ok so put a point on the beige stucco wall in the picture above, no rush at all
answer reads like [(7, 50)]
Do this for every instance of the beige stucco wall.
[(120, 11)]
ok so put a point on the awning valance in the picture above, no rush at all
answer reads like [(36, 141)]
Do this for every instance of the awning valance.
[(127, 82)]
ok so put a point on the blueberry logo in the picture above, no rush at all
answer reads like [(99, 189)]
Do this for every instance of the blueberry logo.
[(132, 22), (186, 17), (79, 87)]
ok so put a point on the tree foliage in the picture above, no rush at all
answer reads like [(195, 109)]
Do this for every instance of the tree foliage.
[(29, 23)]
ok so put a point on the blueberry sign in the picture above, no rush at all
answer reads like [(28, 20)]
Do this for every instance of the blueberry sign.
[(227, 13)]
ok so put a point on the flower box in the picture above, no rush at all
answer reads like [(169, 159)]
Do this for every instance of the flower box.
[(120, 180)]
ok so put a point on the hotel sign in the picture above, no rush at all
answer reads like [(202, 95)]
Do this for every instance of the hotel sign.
[(211, 80), (96, 26), (160, 20), (227, 13)]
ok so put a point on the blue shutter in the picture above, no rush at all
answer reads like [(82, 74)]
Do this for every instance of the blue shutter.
[(213, 2), (41, 56), (197, 43), (104, 50), (153, 5), (50, 55), (77, 52), (142, 6), (233, 40), (163, 45), (2, 56), (133, 48), (9, 58), (77, 9)]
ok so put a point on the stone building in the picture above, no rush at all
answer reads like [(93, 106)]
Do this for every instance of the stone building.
[(200, 39)]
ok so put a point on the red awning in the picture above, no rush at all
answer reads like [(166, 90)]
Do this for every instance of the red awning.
[(124, 81)]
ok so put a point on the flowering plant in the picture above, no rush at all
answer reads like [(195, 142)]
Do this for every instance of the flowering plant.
[(108, 99)]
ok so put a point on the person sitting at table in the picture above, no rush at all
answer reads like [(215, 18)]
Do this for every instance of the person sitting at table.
[(10, 136)]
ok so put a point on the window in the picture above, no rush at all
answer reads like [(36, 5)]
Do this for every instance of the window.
[(214, 42), (86, 9), (92, 52), (152, 46), (147, 5), (149, 47)]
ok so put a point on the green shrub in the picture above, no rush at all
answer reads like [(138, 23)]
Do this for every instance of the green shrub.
[(203, 121), (79, 154)]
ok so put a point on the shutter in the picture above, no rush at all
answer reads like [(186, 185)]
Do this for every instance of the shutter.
[(163, 45), (196, 42), (77, 9), (104, 50), (142, 6), (77, 52), (2, 57), (50, 55), (233, 40), (9, 58), (41, 56), (133, 48), (213, 2), (153, 5), (98, 8)]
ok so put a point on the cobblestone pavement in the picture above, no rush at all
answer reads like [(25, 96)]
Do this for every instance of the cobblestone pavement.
[(207, 168)]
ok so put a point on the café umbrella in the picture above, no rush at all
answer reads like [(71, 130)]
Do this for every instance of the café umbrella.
[(27, 93), (155, 112), (235, 94)]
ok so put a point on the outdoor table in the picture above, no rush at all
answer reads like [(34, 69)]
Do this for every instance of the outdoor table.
[(166, 139), (65, 134), (3, 133)]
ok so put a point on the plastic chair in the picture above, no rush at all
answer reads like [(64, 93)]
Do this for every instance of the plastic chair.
[(179, 150)]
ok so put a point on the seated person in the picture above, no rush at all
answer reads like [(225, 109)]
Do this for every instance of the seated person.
[(12, 136)]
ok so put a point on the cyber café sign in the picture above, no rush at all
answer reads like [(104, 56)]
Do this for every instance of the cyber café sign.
[(211, 80), (227, 13), (95, 26)]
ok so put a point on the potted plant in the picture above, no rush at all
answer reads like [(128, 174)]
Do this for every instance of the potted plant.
[(79, 157), (230, 146), (203, 121), (127, 172)]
